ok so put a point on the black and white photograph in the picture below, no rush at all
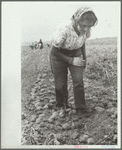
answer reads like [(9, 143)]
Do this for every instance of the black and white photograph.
[(65, 74)]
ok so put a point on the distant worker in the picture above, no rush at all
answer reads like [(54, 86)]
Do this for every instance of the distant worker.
[(40, 43)]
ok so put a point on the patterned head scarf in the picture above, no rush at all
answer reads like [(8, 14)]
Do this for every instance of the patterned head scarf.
[(77, 15)]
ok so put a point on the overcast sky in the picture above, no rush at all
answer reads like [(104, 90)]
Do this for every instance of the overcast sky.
[(38, 19)]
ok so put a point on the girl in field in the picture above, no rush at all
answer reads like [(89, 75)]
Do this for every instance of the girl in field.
[(68, 51)]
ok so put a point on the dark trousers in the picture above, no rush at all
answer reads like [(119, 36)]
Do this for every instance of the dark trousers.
[(60, 70)]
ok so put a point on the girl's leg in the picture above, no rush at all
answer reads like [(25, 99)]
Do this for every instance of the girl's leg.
[(59, 70), (78, 86)]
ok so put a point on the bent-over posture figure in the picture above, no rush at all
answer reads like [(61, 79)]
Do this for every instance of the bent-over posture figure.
[(68, 51)]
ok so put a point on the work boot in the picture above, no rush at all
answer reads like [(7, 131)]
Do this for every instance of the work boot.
[(82, 113), (79, 113), (58, 106), (66, 106)]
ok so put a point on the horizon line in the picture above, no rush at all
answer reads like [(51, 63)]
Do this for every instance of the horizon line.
[(50, 40)]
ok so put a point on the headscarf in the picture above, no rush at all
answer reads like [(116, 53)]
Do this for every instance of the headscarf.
[(77, 15)]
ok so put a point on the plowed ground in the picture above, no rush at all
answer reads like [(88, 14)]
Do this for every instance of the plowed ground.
[(38, 95)]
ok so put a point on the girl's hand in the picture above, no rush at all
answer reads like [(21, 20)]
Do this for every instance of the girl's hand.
[(78, 61)]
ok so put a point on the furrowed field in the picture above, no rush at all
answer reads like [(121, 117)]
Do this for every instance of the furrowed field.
[(38, 96)]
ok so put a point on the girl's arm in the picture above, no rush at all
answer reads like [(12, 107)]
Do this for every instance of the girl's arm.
[(55, 51), (83, 50)]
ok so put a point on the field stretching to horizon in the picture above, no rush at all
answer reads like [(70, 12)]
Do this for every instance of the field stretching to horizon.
[(38, 97)]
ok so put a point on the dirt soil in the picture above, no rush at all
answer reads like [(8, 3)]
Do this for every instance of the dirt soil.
[(38, 98)]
